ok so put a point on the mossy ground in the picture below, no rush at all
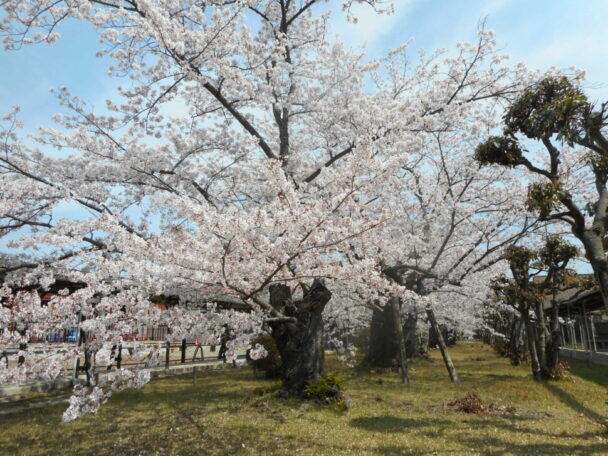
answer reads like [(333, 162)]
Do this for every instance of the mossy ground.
[(234, 412)]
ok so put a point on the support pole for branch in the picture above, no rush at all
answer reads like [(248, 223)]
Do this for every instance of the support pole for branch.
[(442, 346)]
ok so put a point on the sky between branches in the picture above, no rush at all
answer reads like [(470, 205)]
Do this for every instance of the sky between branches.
[(541, 33)]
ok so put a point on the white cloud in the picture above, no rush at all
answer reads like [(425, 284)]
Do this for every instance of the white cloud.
[(371, 28)]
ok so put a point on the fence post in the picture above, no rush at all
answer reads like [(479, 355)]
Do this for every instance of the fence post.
[(583, 332), (80, 338), (167, 354), (183, 351), (592, 331), (588, 333)]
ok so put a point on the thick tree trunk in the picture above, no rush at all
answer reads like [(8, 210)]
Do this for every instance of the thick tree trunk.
[(536, 370), (395, 307), (410, 335), (595, 253), (383, 345), (300, 339), (442, 346)]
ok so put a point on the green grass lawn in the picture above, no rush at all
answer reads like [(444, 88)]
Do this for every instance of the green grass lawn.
[(221, 415)]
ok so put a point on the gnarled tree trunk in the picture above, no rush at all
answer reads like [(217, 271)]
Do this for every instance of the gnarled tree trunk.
[(299, 338)]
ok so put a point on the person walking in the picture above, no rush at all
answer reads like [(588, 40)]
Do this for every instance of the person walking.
[(198, 345), (224, 338)]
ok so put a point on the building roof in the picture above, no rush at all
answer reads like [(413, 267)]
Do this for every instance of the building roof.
[(576, 300)]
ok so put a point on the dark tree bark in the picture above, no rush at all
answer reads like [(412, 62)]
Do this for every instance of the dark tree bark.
[(412, 345), (395, 307), (387, 341), (536, 368), (517, 340), (299, 339), (413, 282), (383, 345)]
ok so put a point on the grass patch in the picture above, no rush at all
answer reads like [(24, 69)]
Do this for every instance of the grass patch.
[(235, 412)]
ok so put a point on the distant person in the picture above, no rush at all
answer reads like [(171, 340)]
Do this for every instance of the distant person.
[(199, 346), (225, 337), (153, 357)]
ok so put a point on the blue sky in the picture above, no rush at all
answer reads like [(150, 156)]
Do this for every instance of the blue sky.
[(541, 33)]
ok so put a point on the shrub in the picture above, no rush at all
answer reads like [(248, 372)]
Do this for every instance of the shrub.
[(271, 364), (328, 390), (499, 150), (327, 387)]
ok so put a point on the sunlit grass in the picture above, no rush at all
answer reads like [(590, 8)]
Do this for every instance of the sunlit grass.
[(221, 415)]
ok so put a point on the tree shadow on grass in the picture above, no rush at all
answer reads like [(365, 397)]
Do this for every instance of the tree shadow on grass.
[(393, 424), (271, 440), (589, 372), (515, 424), (395, 450), (502, 446), (575, 405), (132, 416)]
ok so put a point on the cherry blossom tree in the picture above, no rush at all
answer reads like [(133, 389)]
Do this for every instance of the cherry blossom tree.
[(247, 154), (453, 220), (237, 187), (452, 228)]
